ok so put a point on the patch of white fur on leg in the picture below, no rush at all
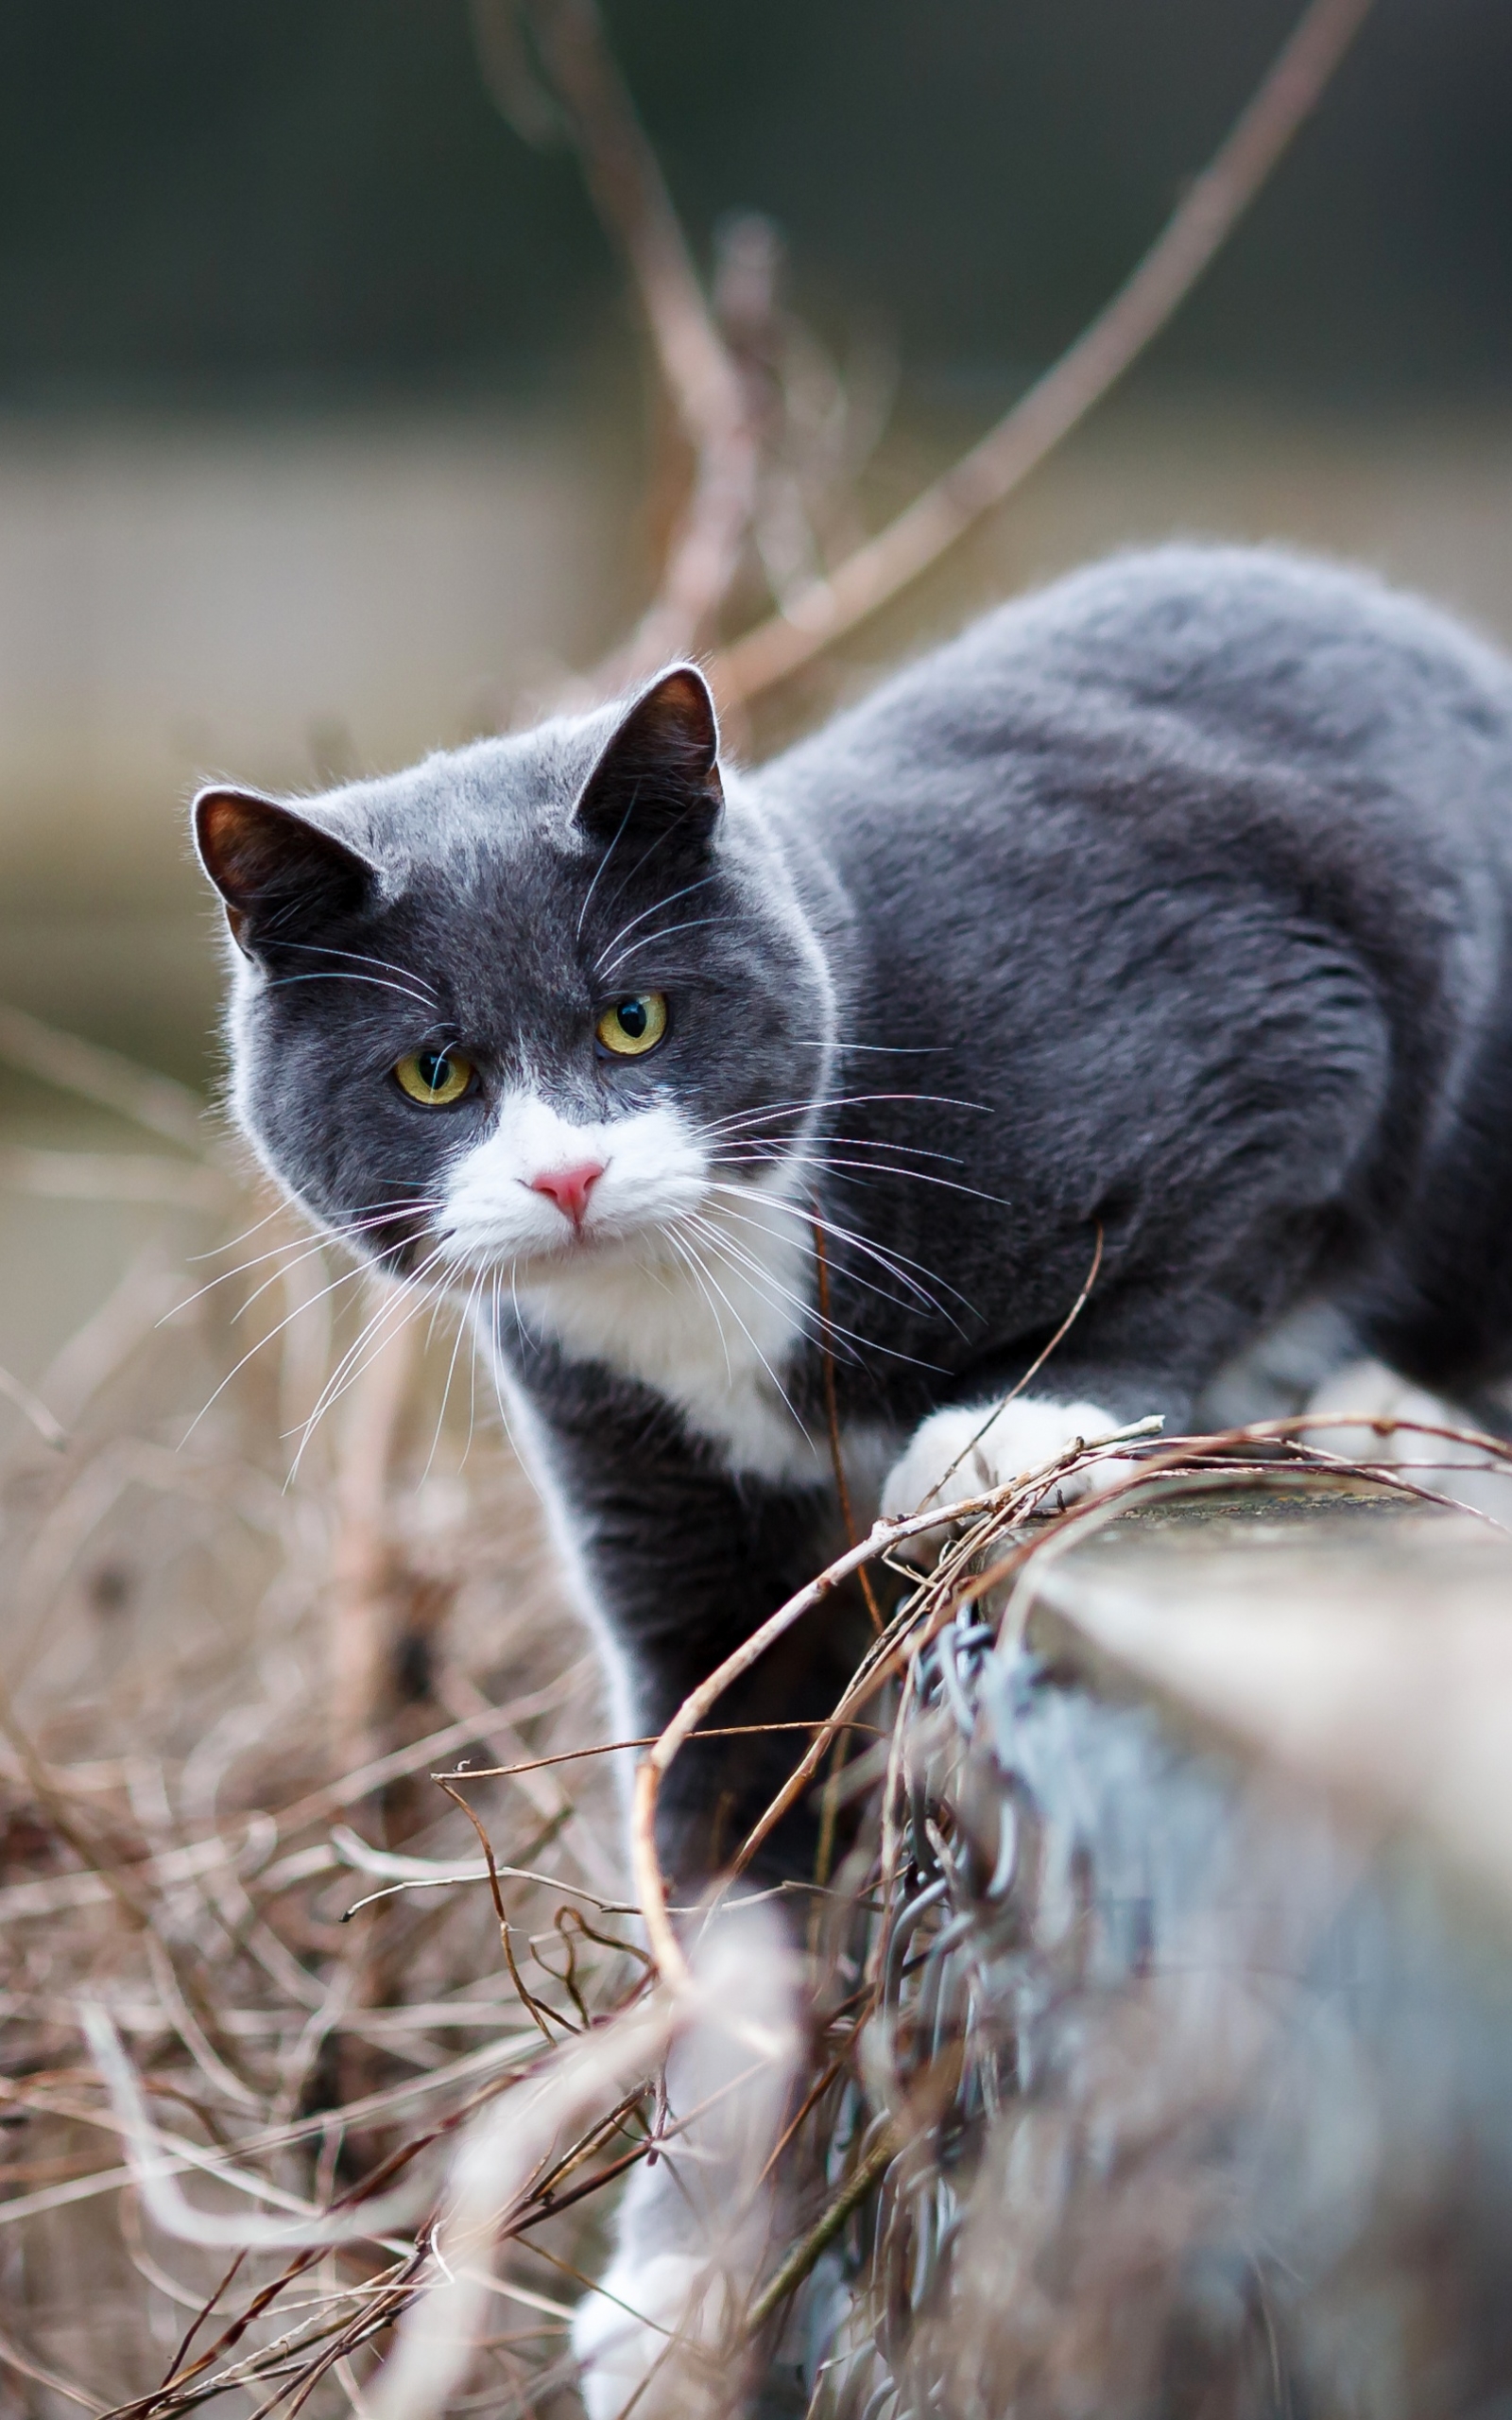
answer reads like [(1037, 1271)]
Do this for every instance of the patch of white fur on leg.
[(946, 1458), (694, 2229), (645, 2324)]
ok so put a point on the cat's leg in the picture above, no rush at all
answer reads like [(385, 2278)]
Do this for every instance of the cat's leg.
[(679, 1562), (662, 2329)]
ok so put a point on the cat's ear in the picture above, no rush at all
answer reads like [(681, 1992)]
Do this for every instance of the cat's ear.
[(276, 872), (661, 765)]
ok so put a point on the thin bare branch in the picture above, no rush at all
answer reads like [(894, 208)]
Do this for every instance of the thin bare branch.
[(701, 381), (33, 1409), (829, 608)]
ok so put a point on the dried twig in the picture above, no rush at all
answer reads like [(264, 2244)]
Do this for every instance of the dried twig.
[(438, 2335), (800, 2261), (830, 608), (701, 381), (32, 1408), (650, 1886), (1185, 1462)]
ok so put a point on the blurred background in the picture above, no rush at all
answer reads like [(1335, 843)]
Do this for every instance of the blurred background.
[(326, 432)]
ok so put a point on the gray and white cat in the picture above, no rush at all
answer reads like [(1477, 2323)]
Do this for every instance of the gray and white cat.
[(1172, 903)]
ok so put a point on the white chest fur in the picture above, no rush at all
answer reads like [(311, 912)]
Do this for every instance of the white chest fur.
[(708, 1321)]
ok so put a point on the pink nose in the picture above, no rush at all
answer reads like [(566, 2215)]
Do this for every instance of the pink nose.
[(570, 1187)]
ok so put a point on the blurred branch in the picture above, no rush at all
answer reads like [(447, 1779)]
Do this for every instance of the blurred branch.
[(104, 1077), (32, 1408), (701, 380), (828, 609)]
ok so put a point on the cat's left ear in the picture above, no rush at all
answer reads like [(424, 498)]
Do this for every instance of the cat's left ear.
[(276, 871), (662, 766)]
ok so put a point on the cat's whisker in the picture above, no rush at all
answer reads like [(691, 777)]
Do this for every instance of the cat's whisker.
[(755, 1348), (300, 1247), (353, 1370), (688, 1255), (304, 1248), (756, 1267), (344, 1277), (436, 1312), (823, 1106), (739, 1120), (472, 1366), (663, 933), (877, 1049), (462, 1326), (360, 1358), (747, 1334), (343, 975), (812, 1321), (869, 1170), (921, 1301), (362, 958), (496, 1370), (252, 1350), (881, 1143), (750, 1144), (896, 1264), (231, 1243), (822, 1328), (741, 1256), (335, 1383), (514, 1303), (602, 867), (345, 1370), (654, 909), (343, 1234)]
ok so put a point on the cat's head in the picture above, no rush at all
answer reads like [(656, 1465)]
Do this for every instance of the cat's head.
[(546, 997)]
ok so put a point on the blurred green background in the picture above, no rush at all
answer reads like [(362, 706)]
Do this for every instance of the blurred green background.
[(325, 430), (297, 201)]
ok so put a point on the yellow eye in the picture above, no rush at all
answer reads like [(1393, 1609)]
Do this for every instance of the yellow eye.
[(633, 1027), (434, 1078)]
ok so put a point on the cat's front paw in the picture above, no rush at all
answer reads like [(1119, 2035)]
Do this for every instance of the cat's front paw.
[(651, 2334), (961, 1452)]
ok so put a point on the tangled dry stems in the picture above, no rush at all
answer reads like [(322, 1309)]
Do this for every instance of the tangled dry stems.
[(233, 2116)]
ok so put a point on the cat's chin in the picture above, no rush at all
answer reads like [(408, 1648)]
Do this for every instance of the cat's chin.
[(638, 1249), (641, 1260)]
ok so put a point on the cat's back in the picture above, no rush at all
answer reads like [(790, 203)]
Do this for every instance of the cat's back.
[(1157, 677)]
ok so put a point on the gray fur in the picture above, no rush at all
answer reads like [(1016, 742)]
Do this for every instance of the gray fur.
[(1173, 900)]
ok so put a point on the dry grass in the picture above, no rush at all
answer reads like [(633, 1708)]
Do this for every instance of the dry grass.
[(203, 1771), (234, 2119)]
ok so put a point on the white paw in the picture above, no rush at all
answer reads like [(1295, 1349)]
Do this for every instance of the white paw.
[(649, 2333), (965, 1451), (1372, 1392), (1349, 1403)]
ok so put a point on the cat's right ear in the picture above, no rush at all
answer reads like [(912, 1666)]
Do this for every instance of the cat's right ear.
[(661, 766), (276, 872)]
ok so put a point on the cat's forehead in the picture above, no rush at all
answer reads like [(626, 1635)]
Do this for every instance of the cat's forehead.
[(496, 804)]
